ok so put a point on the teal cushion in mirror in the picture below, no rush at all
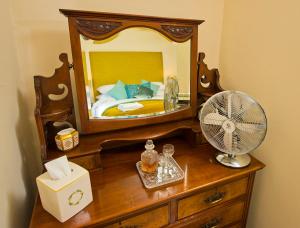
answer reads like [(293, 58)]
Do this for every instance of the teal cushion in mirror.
[(150, 85), (144, 92), (154, 88), (118, 91), (132, 90), (146, 84)]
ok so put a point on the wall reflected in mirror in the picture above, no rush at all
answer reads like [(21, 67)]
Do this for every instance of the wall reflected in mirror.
[(137, 72)]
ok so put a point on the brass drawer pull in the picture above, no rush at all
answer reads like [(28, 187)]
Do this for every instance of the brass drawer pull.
[(131, 226), (214, 223), (215, 198), (128, 226)]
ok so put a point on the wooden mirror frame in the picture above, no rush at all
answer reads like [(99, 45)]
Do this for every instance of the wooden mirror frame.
[(99, 26)]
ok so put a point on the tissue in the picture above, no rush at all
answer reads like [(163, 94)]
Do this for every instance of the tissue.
[(58, 168)]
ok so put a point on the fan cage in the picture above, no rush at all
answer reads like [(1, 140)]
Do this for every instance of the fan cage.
[(244, 116)]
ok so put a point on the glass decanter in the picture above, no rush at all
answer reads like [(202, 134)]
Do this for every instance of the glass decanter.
[(149, 158), (162, 162), (168, 151)]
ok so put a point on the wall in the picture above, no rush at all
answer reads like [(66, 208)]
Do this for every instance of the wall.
[(260, 55), (35, 34), (19, 165)]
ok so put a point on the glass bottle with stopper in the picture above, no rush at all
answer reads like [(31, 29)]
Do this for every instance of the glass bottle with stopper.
[(168, 151), (149, 158)]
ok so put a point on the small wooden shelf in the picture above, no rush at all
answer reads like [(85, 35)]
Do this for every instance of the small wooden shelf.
[(55, 113), (91, 145), (83, 149)]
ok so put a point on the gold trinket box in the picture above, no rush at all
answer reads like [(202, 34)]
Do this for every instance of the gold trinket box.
[(67, 139)]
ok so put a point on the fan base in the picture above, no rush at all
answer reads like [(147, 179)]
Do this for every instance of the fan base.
[(234, 161)]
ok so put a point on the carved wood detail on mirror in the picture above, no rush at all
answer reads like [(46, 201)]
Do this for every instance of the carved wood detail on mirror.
[(95, 27), (184, 32)]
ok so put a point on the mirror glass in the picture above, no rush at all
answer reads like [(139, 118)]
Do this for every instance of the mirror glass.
[(137, 72)]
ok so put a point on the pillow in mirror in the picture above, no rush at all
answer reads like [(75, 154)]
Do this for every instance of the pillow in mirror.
[(105, 88), (132, 90), (154, 86), (146, 84), (161, 91), (118, 91), (104, 98), (144, 92)]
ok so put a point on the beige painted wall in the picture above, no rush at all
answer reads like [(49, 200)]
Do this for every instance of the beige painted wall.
[(18, 162), (260, 55), (35, 35)]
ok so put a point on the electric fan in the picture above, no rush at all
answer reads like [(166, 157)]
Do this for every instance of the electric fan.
[(235, 124)]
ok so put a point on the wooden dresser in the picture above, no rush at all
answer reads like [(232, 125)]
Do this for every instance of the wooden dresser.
[(210, 195)]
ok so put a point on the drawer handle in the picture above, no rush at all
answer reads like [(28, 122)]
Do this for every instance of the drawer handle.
[(131, 226), (212, 223), (128, 226), (215, 198)]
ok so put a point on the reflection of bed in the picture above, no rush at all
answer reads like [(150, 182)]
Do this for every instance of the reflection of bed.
[(109, 109), (106, 68)]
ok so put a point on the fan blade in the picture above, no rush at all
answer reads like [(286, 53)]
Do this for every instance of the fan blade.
[(228, 141), (250, 128), (229, 106), (214, 119)]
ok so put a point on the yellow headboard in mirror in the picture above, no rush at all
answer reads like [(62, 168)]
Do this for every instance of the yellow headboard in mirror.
[(129, 67)]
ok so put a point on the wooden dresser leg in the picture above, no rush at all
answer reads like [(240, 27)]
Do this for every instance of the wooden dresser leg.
[(247, 204), (173, 211)]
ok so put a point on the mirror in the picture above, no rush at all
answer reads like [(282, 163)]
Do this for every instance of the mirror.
[(135, 73)]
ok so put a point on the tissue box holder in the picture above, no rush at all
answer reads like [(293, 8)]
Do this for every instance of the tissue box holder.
[(65, 197)]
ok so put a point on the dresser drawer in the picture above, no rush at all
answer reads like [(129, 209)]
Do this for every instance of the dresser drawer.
[(154, 218), (239, 225), (220, 216), (198, 202)]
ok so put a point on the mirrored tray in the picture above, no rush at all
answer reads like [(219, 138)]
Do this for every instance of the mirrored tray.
[(161, 177)]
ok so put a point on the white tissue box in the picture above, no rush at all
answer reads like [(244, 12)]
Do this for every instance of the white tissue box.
[(65, 197)]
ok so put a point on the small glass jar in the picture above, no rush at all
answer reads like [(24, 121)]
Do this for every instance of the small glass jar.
[(149, 158), (168, 151), (162, 162)]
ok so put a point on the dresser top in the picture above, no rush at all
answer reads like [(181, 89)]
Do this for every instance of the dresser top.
[(119, 191)]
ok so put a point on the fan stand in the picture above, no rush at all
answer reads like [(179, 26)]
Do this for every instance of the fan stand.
[(234, 161)]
